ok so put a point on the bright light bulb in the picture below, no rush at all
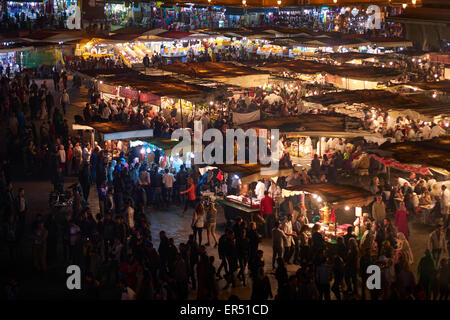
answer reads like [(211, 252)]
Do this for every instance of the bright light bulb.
[(143, 151), (319, 199), (347, 208), (315, 196), (404, 5), (149, 150)]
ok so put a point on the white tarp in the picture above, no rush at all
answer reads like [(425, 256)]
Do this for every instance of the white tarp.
[(81, 127), (271, 98), (250, 81), (128, 134), (239, 118)]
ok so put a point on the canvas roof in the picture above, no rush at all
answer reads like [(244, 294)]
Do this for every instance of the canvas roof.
[(347, 71), (385, 101), (338, 195), (319, 124), (435, 152)]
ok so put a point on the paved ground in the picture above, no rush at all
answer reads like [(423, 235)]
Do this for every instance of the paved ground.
[(44, 286)]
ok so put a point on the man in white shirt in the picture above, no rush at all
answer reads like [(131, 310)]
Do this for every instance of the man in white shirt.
[(289, 243), (260, 189), (426, 132), (398, 135), (86, 152), (168, 180), (64, 100), (340, 146), (129, 212), (436, 131)]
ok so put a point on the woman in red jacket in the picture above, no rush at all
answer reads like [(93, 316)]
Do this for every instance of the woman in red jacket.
[(190, 196), (69, 158), (401, 219)]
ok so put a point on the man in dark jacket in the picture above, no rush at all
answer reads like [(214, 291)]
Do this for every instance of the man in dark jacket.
[(243, 247)]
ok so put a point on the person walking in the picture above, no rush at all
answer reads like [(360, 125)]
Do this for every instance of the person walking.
[(379, 210), (261, 289), (64, 100), (211, 224), (198, 222), (437, 244), (289, 243), (278, 238), (266, 211), (426, 271), (401, 219), (323, 278), (168, 181), (39, 247), (243, 246), (190, 191)]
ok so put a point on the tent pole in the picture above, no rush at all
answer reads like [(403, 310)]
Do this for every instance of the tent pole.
[(181, 113)]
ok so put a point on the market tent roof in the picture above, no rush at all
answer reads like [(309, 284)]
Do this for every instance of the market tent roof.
[(162, 86), (226, 72), (338, 195), (435, 152), (211, 69), (348, 56), (53, 36), (324, 41), (347, 71), (424, 15), (242, 170), (314, 124), (392, 42), (442, 86), (114, 130), (384, 100), (163, 143), (174, 34)]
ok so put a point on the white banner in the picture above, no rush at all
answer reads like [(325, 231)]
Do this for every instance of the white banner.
[(239, 118)]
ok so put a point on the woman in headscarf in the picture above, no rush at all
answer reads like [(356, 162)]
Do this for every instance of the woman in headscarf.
[(426, 271), (401, 219), (403, 249)]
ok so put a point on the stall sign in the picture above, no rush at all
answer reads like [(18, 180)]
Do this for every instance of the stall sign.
[(129, 93), (150, 98), (106, 88)]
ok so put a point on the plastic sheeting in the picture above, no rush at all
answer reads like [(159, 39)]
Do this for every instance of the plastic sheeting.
[(240, 118)]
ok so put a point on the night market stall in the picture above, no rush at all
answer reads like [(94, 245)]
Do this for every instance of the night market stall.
[(334, 207), (348, 77), (228, 73), (421, 107)]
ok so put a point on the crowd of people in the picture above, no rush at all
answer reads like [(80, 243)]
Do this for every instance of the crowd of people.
[(113, 242)]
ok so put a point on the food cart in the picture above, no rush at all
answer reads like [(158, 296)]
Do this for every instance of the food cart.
[(337, 206)]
